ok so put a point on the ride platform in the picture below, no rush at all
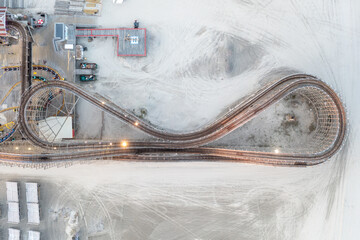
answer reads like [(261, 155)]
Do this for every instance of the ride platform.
[(130, 41)]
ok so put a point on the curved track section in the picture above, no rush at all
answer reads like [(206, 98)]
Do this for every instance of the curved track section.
[(24, 68), (10, 132), (329, 136)]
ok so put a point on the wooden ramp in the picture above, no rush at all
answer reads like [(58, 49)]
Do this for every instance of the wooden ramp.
[(130, 41)]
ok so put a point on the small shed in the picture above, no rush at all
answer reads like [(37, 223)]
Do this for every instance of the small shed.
[(34, 235), (13, 212), (69, 46), (12, 191), (14, 234), (32, 192), (33, 213)]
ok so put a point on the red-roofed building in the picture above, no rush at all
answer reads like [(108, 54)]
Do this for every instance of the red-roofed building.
[(3, 21)]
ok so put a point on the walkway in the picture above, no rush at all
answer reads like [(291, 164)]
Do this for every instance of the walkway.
[(130, 41)]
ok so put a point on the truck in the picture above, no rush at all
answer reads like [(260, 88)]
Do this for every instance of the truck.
[(88, 65), (79, 52), (85, 78)]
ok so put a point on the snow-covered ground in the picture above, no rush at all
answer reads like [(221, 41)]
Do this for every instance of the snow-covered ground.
[(202, 200), (280, 132), (186, 37), (189, 82), (317, 37), (186, 81)]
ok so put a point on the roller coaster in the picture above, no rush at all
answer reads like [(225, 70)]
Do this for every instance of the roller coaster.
[(8, 125), (36, 106), (24, 69), (11, 130)]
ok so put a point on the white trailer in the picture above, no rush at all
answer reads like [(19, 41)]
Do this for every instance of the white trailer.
[(33, 213), (14, 234), (34, 235), (12, 191), (13, 212), (32, 192)]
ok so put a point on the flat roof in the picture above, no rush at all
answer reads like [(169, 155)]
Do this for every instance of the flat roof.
[(13, 212), (56, 128), (59, 31), (32, 193), (34, 235), (33, 213), (14, 234), (68, 46), (130, 41), (12, 192)]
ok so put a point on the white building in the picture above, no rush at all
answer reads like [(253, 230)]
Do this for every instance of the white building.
[(14, 234), (32, 192), (33, 235), (13, 212), (33, 213), (12, 191)]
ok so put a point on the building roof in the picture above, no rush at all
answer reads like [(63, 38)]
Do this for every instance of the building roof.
[(56, 128), (13, 212), (3, 21), (59, 31), (33, 213), (33, 235), (12, 192), (32, 194), (14, 234)]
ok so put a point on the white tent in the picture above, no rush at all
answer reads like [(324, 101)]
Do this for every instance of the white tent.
[(32, 193), (55, 128), (14, 234), (13, 212), (33, 213), (33, 235), (12, 191)]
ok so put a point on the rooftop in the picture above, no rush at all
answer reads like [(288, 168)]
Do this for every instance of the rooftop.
[(59, 32), (33, 213), (12, 192), (33, 235), (13, 212), (14, 234), (32, 193)]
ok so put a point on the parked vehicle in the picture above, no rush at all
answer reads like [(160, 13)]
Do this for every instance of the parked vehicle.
[(39, 78), (79, 52), (85, 78), (88, 65)]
